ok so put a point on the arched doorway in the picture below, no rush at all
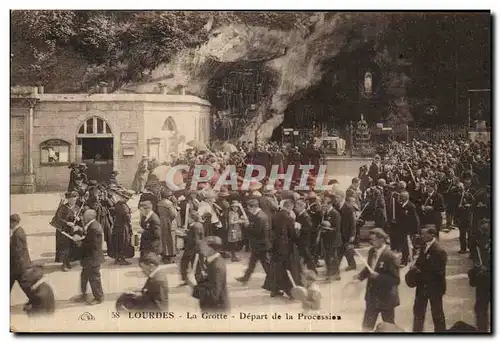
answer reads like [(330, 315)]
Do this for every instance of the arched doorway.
[(95, 148), (170, 134)]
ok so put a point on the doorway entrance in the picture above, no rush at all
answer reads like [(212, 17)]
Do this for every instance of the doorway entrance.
[(95, 149)]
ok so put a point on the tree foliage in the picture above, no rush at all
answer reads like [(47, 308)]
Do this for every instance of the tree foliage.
[(116, 46)]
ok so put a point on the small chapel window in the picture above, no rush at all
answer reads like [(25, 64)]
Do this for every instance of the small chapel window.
[(90, 126), (54, 152), (100, 126)]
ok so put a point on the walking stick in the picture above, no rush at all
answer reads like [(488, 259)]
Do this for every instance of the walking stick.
[(365, 262), (186, 219), (478, 251)]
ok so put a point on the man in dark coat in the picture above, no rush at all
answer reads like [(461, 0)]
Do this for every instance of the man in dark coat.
[(66, 220), (379, 205), (375, 171), (259, 238), (151, 226), (331, 237), (194, 235), (122, 229), (284, 253), (19, 255), (432, 207), (42, 301), (72, 176), (480, 277), (154, 294), (464, 217), (407, 225), (211, 290), (383, 280), (148, 194), (347, 228), (429, 274), (306, 230), (92, 257)]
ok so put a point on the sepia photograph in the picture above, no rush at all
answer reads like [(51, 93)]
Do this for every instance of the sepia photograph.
[(250, 171)]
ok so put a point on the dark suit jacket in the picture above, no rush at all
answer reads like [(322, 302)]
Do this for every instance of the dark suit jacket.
[(306, 229), (259, 232), (433, 216), (92, 254), (194, 235), (333, 238), (268, 206), (42, 300), (383, 290), (155, 292), (431, 270), (212, 291), (283, 226), (374, 172), (348, 222), (407, 220), (151, 237), (19, 254)]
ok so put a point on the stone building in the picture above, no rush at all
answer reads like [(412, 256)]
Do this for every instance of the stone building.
[(105, 131)]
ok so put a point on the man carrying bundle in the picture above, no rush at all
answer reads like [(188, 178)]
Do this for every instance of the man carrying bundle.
[(382, 272), (66, 220)]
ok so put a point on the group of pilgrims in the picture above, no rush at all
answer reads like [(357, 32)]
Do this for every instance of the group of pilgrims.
[(414, 192)]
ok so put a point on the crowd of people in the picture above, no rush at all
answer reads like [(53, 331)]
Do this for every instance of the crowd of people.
[(414, 192)]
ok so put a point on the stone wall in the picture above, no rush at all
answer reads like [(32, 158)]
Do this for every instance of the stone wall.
[(60, 120), (59, 116)]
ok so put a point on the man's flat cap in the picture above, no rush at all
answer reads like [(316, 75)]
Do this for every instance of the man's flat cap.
[(379, 232), (14, 218), (150, 259)]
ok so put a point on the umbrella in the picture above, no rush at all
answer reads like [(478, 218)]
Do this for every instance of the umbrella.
[(161, 172), (229, 148), (197, 145)]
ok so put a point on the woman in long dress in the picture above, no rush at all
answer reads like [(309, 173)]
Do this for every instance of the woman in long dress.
[(235, 230), (168, 218)]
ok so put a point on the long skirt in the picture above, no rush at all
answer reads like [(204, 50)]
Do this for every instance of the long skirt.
[(278, 279), (121, 242)]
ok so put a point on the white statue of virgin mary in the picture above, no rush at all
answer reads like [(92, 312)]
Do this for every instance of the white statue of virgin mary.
[(368, 83)]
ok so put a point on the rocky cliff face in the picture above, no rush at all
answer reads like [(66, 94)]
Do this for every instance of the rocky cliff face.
[(293, 59)]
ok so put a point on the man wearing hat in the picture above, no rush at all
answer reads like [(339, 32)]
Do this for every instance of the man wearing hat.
[(223, 206), (42, 300), (429, 273), (306, 229), (83, 173), (259, 239), (208, 206), (19, 255), (92, 258), (141, 175), (72, 176), (432, 207), (268, 203), (148, 194), (195, 234), (383, 279), (151, 229), (331, 237), (375, 170), (154, 294), (66, 220), (211, 290), (112, 178), (122, 228)]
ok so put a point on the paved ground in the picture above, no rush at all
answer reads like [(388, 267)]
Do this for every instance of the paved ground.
[(36, 211)]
